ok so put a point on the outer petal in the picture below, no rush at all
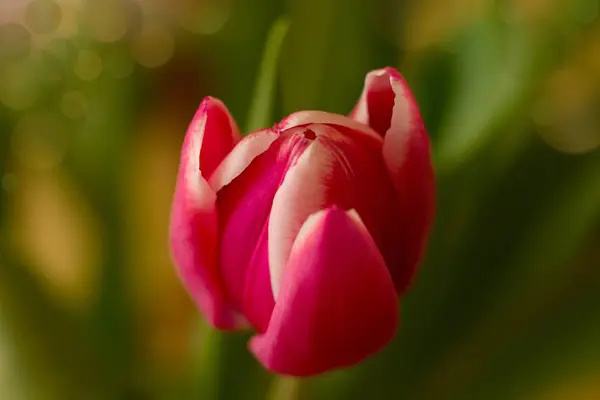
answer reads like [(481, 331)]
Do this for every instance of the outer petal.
[(193, 228), (337, 303), (258, 296), (388, 106), (216, 129)]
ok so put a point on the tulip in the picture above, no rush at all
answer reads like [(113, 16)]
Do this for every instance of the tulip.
[(308, 231)]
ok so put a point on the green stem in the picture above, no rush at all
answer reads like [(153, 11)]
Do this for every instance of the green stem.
[(285, 388), (263, 99), (223, 368)]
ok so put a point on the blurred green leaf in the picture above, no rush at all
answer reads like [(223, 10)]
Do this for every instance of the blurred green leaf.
[(97, 160), (551, 338), (285, 388), (206, 362), (224, 369), (531, 269), (431, 81), (457, 289), (263, 100), (565, 224), (47, 341), (545, 288), (499, 65), (235, 52), (326, 54)]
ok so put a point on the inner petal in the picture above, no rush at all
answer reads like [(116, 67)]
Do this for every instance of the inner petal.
[(244, 206), (334, 171), (380, 103)]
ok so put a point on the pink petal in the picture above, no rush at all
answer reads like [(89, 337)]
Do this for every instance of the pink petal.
[(218, 132), (258, 297), (334, 170), (354, 128), (193, 227), (244, 207), (240, 157), (302, 193), (337, 304), (375, 104), (389, 107)]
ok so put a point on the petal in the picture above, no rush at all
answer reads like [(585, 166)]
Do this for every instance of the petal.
[(334, 170), (240, 157), (193, 226), (354, 128), (302, 193), (244, 207), (337, 304), (389, 107), (377, 101), (217, 132), (258, 297)]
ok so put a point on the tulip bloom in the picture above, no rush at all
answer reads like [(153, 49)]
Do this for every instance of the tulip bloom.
[(308, 231)]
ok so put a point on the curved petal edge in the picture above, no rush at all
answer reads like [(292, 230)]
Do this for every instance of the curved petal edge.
[(194, 225), (388, 106), (337, 304)]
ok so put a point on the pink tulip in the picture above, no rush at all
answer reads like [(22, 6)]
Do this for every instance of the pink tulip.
[(307, 231)]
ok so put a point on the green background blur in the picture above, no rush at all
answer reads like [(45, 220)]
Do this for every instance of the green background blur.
[(95, 97)]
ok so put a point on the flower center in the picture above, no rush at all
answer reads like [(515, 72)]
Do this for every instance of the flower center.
[(309, 134)]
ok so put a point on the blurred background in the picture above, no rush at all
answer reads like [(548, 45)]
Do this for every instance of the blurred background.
[(95, 98)]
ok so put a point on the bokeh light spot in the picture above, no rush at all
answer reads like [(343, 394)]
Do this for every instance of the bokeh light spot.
[(88, 65), (206, 17), (577, 132), (70, 20), (15, 43), (566, 112), (153, 46), (43, 16), (107, 20)]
